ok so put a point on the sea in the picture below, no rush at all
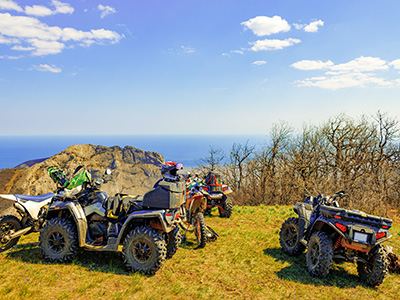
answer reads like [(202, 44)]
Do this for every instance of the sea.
[(188, 149)]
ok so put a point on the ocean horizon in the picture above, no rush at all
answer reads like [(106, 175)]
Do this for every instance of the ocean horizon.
[(187, 149)]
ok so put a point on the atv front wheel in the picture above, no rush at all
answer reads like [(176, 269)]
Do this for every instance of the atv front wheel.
[(319, 254), (200, 229), (227, 207), (144, 250), (375, 271), (289, 237), (58, 240), (174, 241), (8, 225)]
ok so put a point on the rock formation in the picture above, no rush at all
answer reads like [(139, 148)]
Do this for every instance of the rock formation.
[(134, 171)]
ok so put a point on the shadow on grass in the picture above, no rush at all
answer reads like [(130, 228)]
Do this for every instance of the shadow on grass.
[(99, 261), (297, 272)]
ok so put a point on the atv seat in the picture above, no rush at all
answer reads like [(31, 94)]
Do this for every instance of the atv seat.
[(38, 198)]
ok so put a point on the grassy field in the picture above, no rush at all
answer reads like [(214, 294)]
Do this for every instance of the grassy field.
[(246, 262)]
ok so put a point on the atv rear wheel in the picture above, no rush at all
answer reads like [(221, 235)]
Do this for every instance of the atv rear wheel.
[(289, 237), (319, 254), (200, 229), (375, 271), (227, 207), (174, 241), (8, 225), (144, 250), (58, 240)]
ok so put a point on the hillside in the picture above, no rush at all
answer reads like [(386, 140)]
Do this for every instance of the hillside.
[(134, 171), (246, 262)]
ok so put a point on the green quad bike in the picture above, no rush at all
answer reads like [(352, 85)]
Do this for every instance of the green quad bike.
[(335, 234), (144, 228)]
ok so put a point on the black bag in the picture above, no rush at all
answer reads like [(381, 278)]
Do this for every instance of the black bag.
[(165, 195), (214, 182), (118, 206)]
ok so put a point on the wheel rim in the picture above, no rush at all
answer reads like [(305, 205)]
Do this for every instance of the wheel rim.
[(142, 252), (5, 229), (314, 254), (56, 242), (290, 236)]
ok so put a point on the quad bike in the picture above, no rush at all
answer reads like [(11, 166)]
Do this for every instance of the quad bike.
[(145, 226), (32, 209), (331, 233), (216, 195)]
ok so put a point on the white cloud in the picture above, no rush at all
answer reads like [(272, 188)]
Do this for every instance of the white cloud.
[(395, 64), (259, 62), (10, 5), (62, 8), (237, 52), (38, 11), (29, 32), (362, 64), (358, 72), (307, 65), (188, 50), (262, 25), (347, 80), (313, 26), (20, 48), (43, 11), (105, 10), (268, 44), (47, 68)]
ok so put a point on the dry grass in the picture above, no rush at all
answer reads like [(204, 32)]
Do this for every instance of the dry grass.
[(246, 262)]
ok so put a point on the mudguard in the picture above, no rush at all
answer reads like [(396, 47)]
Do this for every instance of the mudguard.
[(144, 214), (77, 212)]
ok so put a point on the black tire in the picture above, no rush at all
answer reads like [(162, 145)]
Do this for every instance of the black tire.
[(174, 241), (289, 237), (144, 250), (200, 229), (8, 224), (58, 240), (227, 206), (374, 272), (319, 254)]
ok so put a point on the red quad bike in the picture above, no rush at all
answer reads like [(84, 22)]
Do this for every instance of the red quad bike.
[(333, 234), (216, 195)]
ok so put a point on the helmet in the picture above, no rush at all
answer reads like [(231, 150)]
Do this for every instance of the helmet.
[(169, 170)]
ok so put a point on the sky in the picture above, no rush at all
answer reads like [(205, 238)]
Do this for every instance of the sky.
[(194, 67)]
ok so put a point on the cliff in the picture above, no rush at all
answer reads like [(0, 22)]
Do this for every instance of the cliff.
[(134, 171)]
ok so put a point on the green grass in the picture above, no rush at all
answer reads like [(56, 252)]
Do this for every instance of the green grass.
[(245, 262)]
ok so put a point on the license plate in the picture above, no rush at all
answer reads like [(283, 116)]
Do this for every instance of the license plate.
[(360, 237)]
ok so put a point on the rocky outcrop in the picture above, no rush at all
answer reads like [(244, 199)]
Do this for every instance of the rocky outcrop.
[(134, 171)]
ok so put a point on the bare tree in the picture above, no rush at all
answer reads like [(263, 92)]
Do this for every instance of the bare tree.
[(210, 163)]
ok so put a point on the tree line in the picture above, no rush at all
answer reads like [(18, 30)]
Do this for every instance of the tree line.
[(360, 156)]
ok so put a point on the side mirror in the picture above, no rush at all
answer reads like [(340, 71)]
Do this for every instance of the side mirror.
[(108, 172)]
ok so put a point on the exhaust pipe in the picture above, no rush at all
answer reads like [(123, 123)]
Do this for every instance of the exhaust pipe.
[(19, 232)]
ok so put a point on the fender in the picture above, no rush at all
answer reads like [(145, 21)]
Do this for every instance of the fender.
[(144, 214), (321, 222), (77, 212)]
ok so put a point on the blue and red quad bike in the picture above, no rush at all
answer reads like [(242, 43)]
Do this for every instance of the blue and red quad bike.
[(216, 195), (333, 234)]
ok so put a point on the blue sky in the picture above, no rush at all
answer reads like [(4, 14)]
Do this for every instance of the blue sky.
[(194, 67)]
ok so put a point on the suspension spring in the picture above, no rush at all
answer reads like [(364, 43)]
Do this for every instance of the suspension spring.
[(337, 243)]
